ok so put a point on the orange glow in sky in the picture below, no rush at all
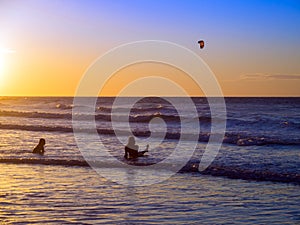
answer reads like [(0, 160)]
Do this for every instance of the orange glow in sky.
[(250, 48)]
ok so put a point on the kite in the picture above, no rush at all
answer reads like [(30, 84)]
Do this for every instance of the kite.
[(201, 43)]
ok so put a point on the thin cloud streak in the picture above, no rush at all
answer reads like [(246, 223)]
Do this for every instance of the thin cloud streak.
[(260, 76)]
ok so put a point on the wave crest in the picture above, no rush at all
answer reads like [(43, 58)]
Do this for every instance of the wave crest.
[(191, 166)]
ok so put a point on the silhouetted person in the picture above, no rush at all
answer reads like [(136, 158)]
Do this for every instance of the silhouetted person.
[(39, 149), (131, 149)]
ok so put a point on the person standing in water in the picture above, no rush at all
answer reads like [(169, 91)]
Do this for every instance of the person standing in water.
[(40, 148), (131, 149)]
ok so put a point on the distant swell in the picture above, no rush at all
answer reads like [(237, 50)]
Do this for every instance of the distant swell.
[(136, 118), (191, 166), (42, 115), (135, 109)]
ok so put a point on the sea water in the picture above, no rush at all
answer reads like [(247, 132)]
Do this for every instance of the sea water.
[(254, 179)]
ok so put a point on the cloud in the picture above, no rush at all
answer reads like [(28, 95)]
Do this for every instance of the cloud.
[(263, 76)]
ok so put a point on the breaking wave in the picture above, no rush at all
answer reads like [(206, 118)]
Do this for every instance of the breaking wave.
[(191, 166), (239, 139)]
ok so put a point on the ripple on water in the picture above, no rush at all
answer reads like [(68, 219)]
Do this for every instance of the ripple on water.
[(54, 194)]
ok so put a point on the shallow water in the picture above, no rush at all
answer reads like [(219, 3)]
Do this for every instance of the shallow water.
[(58, 194)]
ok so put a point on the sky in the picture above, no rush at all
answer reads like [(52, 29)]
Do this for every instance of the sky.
[(252, 46)]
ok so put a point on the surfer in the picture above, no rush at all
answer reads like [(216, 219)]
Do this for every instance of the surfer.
[(39, 149), (131, 149)]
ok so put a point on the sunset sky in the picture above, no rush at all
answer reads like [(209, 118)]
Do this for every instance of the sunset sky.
[(252, 46)]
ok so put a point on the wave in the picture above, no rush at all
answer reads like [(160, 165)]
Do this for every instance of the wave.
[(35, 128), (239, 139), (46, 115), (60, 162), (191, 166), (167, 116), (140, 109), (136, 118), (263, 122), (43, 115), (252, 174), (145, 117), (64, 106)]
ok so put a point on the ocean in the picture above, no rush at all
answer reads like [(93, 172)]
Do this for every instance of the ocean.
[(254, 178)]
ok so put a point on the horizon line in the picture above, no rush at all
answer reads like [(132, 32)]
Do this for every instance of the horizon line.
[(161, 96)]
